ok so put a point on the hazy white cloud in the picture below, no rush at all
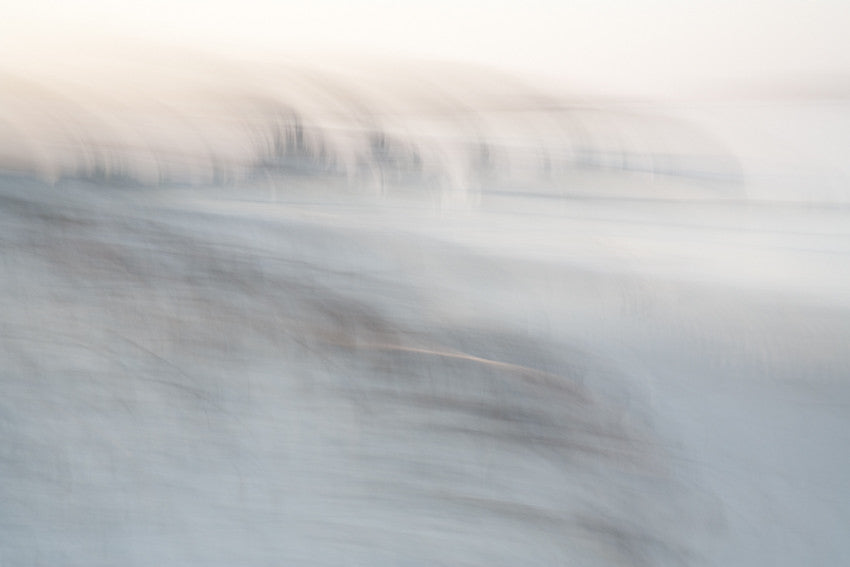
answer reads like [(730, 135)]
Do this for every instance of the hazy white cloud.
[(645, 46)]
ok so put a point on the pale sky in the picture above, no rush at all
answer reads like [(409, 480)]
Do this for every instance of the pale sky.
[(639, 46)]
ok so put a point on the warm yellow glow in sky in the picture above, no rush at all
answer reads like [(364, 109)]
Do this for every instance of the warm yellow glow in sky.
[(642, 46)]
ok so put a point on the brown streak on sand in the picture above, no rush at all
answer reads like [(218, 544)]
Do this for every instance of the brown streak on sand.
[(542, 376)]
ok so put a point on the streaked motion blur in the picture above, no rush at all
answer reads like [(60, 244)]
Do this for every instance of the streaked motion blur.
[(377, 312)]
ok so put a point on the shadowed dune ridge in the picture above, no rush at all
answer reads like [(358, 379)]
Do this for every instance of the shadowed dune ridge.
[(179, 377)]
